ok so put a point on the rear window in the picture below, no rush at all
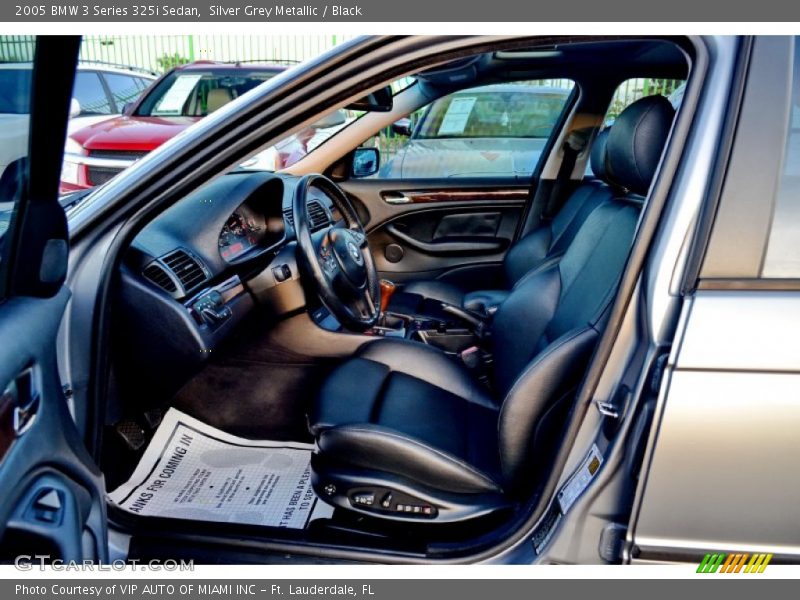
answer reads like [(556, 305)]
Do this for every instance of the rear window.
[(15, 87), (525, 112)]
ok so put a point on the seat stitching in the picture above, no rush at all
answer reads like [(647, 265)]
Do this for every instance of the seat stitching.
[(379, 394), (595, 190), (548, 351), (585, 265), (444, 455), (633, 142), (474, 400), (544, 266)]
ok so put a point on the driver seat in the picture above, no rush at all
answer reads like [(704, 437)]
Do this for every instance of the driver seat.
[(405, 432)]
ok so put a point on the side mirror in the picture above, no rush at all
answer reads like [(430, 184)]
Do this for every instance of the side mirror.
[(74, 108), (366, 162), (402, 127)]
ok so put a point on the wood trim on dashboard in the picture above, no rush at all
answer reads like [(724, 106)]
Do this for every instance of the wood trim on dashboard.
[(434, 196)]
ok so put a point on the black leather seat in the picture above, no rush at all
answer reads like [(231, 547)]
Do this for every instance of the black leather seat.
[(405, 432), (543, 243)]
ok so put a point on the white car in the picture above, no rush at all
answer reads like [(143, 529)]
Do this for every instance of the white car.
[(100, 92)]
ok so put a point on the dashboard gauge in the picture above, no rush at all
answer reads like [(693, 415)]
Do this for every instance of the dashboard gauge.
[(242, 231)]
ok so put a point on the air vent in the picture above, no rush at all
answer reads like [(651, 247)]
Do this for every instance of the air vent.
[(155, 273), (317, 216), (186, 268)]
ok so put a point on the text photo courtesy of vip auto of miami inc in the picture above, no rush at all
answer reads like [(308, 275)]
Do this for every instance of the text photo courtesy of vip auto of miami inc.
[(284, 293)]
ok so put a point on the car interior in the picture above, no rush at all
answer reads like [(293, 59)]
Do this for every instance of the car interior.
[(427, 336)]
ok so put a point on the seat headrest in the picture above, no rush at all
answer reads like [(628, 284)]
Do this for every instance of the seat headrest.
[(599, 154), (217, 98), (635, 143)]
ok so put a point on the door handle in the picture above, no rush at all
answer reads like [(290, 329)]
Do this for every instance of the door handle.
[(471, 245), (397, 199), (25, 415), (25, 401)]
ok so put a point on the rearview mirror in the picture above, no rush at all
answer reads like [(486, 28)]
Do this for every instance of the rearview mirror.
[(378, 101), (365, 162), (74, 108)]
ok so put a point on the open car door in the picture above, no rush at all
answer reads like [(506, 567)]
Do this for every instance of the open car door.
[(52, 499)]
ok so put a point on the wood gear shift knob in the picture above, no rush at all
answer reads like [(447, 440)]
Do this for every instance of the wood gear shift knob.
[(387, 289)]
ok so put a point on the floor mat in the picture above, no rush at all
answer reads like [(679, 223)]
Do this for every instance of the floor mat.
[(253, 400), (191, 470)]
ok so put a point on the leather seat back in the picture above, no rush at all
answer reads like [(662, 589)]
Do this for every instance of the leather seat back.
[(546, 330), (217, 98), (554, 237)]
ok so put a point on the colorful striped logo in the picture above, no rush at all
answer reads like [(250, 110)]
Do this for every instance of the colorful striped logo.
[(734, 563)]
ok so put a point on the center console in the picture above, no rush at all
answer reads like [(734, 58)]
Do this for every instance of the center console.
[(447, 332), (450, 335)]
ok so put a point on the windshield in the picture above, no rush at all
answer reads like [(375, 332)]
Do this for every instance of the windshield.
[(298, 145), (15, 91), (199, 92), (524, 113)]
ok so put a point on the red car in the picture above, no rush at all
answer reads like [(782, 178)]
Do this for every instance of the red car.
[(181, 97)]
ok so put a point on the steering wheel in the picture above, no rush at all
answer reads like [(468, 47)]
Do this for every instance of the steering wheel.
[(337, 258)]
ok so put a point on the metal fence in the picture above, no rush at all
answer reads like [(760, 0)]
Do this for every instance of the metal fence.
[(158, 53), (634, 89)]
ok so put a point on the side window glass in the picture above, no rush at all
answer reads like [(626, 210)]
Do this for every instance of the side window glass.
[(15, 97), (124, 89), (782, 259), (631, 90), (90, 94), (489, 131)]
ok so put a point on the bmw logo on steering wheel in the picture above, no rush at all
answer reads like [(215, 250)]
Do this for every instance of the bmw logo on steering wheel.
[(355, 253)]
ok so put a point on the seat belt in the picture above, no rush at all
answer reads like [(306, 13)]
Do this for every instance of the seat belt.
[(573, 145)]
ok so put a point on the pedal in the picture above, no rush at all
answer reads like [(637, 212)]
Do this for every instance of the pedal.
[(153, 418), (132, 434)]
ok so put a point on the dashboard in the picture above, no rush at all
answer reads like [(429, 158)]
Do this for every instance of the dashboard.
[(230, 226), (199, 268)]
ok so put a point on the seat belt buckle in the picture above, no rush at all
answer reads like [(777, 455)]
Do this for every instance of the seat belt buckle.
[(471, 357), (614, 407), (607, 409)]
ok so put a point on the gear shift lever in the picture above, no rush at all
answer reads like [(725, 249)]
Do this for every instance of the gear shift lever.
[(387, 289)]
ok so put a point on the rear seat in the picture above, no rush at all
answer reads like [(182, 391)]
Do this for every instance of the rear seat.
[(545, 243)]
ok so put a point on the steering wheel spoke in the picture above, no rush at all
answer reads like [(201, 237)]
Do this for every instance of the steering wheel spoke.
[(337, 258), (358, 238), (365, 305)]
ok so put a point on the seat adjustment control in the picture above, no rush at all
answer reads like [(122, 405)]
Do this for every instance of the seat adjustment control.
[(364, 499), (390, 501)]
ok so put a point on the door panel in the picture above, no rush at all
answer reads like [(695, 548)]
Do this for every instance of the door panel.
[(53, 494), (53, 502), (454, 230)]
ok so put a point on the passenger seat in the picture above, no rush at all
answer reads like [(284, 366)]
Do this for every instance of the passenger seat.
[(546, 242)]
